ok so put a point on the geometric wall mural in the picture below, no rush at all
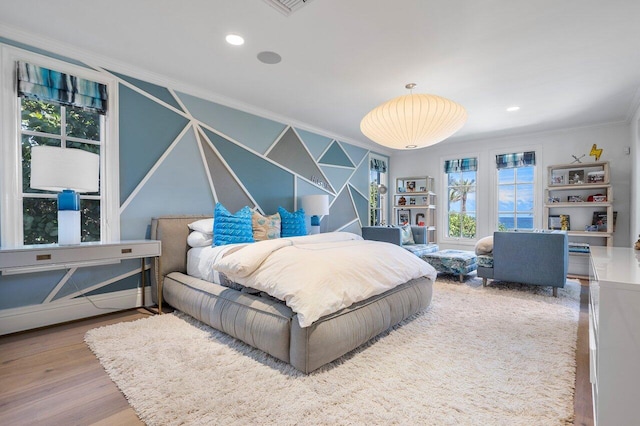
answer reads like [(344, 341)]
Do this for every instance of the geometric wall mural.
[(180, 154)]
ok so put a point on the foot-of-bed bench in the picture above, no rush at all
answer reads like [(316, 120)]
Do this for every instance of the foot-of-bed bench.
[(457, 262)]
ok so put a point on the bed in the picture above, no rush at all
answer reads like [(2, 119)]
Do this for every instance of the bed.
[(267, 323)]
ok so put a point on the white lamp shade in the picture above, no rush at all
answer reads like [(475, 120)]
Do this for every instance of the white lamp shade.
[(315, 205), (413, 121), (56, 169)]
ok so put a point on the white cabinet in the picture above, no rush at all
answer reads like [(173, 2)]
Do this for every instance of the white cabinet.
[(414, 202), (614, 335)]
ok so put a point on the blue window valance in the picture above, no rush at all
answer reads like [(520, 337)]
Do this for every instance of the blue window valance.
[(379, 165), (43, 84), (461, 165), (518, 159)]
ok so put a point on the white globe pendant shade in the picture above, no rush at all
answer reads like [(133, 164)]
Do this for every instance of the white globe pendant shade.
[(413, 121)]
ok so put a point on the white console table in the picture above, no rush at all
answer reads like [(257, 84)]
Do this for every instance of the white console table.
[(44, 257), (614, 335)]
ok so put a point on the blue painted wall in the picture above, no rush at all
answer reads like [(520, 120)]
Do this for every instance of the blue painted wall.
[(179, 154)]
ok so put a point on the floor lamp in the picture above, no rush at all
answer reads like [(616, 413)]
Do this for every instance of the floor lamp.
[(67, 171)]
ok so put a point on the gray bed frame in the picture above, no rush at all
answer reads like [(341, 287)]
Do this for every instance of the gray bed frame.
[(267, 324)]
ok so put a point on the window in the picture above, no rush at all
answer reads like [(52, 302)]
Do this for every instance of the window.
[(56, 104), (48, 123), (515, 190), (377, 191), (461, 191)]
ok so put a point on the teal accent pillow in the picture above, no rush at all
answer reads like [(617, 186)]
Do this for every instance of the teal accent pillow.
[(292, 224), (232, 228)]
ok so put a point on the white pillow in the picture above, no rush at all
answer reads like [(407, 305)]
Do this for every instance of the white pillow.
[(203, 225), (407, 234), (199, 239), (485, 245)]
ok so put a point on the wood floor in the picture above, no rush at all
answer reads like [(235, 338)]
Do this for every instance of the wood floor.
[(50, 377)]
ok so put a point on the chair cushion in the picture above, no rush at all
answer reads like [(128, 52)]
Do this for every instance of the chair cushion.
[(485, 261), (421, 249), (452, 261)]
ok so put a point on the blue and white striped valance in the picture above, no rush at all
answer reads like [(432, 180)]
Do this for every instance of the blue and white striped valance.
[(43, 84), (461, 165), (518, 159), (378, 165)]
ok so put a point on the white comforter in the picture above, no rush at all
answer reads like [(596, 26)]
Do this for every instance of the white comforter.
[(317, 275)]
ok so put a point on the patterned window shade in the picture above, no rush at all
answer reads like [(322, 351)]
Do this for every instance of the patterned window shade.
[(378, 165), (43, 84), (518, 159), (461, 165)]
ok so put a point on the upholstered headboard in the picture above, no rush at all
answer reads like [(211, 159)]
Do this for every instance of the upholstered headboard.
[(172, 231)]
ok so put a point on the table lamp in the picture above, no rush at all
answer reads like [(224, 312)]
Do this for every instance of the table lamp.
[(68, 171), (315, 206)]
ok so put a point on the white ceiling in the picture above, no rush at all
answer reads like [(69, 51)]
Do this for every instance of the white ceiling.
[(566, 63)]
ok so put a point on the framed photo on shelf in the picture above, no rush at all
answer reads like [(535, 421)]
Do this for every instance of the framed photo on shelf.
[(404, 217), (558, 178), (576, 177), (560, 222), (411, 185), (574, 199), (600, 220)]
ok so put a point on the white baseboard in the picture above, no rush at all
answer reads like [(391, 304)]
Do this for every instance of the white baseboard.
[(34, 316)]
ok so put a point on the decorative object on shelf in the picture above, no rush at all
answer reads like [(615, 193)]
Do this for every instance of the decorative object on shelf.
[(423, 189), (600, 220), (402, 201), (595, 177), (591, 228), (413, 121), (402, 189), (597, 198), (315, 206), (412, 201), (411, 185), (565, 222), (558, 178), (554, 200), (576, 159), (418, 221), (404, 217), (576, 177), (68, 171), (595, 152), (637, 244), (554, 222), (574, 199)]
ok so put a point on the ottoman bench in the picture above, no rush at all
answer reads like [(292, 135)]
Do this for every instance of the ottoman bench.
[(457, 262)]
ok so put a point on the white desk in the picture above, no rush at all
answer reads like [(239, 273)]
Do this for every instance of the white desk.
[(614, 335), (45, 257)]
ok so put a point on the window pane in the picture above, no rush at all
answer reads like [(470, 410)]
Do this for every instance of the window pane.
[(505, 222), (40, 217), (505, 175), (525, 197), (40, 116), (506, 197), (525, 174), (83, 124), (461, 204), (27, 143), (524, 221), (90, 220)]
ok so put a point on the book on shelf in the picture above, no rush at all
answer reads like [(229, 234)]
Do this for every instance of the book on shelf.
[(578, 247)]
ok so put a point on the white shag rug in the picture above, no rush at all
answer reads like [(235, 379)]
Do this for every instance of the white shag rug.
[(500, 355)]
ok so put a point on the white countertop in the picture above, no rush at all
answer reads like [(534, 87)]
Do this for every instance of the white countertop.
[(619, 266)]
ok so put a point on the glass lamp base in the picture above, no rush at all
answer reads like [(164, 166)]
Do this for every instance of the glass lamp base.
[(68, 227)]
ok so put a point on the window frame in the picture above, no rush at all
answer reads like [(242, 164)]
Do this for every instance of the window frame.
[(538, 178), (443, 200), (516, 184), (11, 203), (384, 180)]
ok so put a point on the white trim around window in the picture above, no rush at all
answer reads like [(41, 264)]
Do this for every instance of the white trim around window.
[(11, 225)]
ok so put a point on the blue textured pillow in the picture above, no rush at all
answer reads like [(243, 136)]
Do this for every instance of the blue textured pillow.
[(232, 228), (293, 224)]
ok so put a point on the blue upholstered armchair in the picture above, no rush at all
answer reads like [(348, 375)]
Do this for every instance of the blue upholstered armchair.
[(393, 235), (538, 258)]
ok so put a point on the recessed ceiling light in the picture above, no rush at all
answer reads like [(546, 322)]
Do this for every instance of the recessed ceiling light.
[(513, 108), (267, 57), (411, 146), (234, 39)]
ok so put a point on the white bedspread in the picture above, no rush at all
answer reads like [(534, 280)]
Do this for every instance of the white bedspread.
[(317, 275)]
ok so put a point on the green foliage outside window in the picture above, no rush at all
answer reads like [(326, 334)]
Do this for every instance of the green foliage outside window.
[(468, 225), (40, 215)]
